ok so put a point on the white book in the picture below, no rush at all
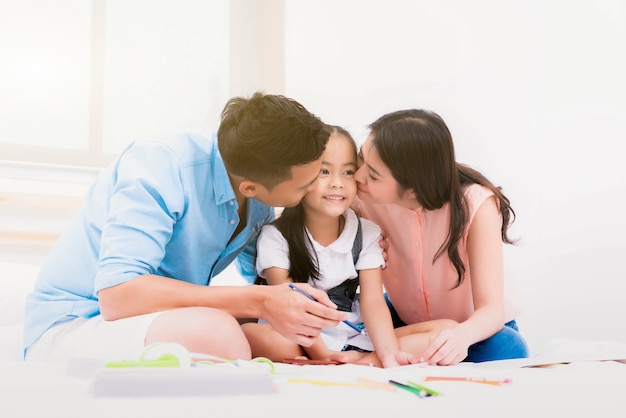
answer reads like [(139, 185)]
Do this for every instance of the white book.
[(174, 381)]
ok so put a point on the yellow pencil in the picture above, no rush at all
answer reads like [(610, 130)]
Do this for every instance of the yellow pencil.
[(326, 383), (374, 384)]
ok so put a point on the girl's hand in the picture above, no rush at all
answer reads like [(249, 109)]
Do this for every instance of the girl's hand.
[(398, 358), (446, 348)]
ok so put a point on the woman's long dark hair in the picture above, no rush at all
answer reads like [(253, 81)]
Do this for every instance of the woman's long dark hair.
[(417, 147), (302, 258)]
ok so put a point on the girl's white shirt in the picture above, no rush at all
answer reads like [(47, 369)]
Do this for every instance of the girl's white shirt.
[(335, 262), (335, 265)]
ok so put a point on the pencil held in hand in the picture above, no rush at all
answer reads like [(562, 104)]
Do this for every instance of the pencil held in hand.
[(348, 323)]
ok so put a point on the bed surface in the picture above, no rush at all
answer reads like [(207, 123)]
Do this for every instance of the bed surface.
[(581, 388), (562, 376)]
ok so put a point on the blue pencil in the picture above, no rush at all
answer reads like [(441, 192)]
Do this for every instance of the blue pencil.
[(348, 323)]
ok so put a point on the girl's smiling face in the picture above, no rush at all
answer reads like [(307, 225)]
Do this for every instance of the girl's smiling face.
[(336, 186)]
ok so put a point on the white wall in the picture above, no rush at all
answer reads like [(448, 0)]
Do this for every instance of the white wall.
[(534, 94), (82, 78)]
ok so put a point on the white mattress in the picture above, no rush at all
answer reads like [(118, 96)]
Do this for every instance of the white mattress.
[(562, 377)]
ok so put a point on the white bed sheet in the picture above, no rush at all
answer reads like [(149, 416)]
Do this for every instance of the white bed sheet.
[(581, 388), (590, 381)]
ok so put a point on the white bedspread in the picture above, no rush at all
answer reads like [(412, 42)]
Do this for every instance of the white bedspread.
[(562, 378), (581, 388)]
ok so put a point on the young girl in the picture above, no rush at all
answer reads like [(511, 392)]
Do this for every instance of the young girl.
[(314, 243), (445, 224)]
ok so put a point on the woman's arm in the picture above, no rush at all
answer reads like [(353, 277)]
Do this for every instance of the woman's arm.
[(484, 247)]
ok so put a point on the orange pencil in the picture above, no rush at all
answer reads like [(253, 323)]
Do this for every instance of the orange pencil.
[(467, 379)]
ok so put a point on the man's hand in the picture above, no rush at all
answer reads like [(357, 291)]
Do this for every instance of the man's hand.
[(297, 317)]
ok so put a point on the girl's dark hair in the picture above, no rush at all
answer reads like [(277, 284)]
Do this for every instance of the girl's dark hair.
[(302, 258), (263, 137), (417, 147)]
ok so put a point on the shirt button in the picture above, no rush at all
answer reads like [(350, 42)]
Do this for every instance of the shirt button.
[(232, 203), (417, 244), (232, 222)]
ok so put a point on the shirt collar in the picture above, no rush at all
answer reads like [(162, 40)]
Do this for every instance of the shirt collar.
[(344, 243), (221, 182)]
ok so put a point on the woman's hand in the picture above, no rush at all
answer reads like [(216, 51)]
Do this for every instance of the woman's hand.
[(447, 347), (384, 244)]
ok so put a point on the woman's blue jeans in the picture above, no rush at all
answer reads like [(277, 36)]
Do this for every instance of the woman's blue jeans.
[(507, 343)]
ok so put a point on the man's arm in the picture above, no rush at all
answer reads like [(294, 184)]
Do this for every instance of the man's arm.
[(298, 319)]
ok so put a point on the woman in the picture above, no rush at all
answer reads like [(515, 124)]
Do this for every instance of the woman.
[(445, 224)]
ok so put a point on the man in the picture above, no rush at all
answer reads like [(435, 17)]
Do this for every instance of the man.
[(134, 265)]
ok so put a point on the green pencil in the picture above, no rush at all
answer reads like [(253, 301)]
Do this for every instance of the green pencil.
[(424, 388), (419, 392)]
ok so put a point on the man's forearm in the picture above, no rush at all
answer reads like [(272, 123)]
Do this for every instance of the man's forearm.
[(151, 293)]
